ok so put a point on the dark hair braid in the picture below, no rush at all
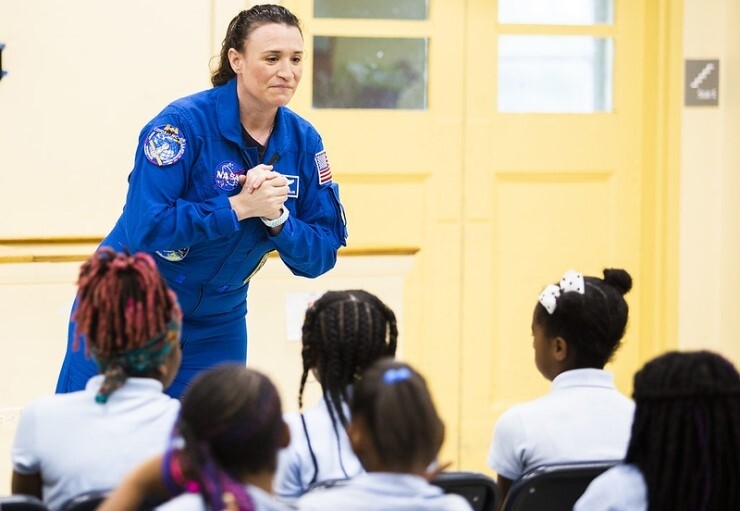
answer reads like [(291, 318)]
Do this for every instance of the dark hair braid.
[(239, 30), (686, 432), (343, 334)]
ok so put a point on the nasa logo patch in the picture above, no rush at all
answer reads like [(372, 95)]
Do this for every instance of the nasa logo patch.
[(164, 145), (226, 176)]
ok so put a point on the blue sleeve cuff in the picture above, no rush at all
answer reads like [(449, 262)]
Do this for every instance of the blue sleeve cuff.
[(226, 222)]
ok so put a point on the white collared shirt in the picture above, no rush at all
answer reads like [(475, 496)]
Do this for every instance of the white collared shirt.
[(334, 455), (79, 445), (621, 488), (382, 491), (261, 500), (583, 418)]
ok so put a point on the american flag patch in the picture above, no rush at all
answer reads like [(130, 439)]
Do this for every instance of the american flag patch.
[(322, 165)]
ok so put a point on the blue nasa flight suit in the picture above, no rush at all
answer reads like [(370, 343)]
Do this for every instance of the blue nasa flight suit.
[(187, 165)]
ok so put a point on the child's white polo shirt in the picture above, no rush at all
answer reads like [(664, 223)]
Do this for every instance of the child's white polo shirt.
[(583, 418), (79, 445)]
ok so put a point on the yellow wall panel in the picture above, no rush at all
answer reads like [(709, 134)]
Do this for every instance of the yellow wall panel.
[(384, 210)]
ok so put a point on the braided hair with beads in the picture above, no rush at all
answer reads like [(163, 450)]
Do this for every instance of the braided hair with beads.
[(686, 432), (344, 333)]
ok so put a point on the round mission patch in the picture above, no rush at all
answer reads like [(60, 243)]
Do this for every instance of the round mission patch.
[(164, 145)]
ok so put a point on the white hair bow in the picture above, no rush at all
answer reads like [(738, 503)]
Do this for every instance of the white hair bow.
[(571, 281)]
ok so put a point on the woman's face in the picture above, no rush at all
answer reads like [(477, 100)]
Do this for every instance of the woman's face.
[(271, 65)]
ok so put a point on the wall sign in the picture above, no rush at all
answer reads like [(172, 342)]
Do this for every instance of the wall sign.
[(701, 83)]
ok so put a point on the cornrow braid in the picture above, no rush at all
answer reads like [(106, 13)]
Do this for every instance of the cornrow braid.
[(686, 432), (122, 303), (239, 30), (344, 332)]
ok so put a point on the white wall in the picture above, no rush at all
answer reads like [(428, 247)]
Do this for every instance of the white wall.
[(76, 95), (710, 183)]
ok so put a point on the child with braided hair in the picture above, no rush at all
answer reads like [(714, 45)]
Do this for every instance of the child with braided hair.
[(344, 332), (684, 452), (88, 440), (577, 327), (223, 451), (396, 432)]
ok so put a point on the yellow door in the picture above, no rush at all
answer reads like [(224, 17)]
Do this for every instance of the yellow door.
[(557, 176), (494, 201), (400, 174)]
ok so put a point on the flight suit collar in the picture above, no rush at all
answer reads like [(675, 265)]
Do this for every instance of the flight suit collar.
[(227, 112), (229, 124)]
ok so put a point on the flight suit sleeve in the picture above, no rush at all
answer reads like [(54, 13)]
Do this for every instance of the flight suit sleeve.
[(159, 213), (310, 238)]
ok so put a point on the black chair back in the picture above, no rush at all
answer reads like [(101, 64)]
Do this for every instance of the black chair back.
[(327, 484), (22, 503), (88, 501), (554, 487), (478, 489)]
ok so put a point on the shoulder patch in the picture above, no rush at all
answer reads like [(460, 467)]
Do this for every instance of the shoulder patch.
[(323, 168), (164, 145)]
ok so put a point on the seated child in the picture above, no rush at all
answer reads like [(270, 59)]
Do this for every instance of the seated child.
[(343, 334), (396, 433), (224, 448), (684, 452), (67, 444), (577, 326)]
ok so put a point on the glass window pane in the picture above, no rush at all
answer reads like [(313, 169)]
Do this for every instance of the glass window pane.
[(369, 72), (371, 9), (556, 12), (554, 74)]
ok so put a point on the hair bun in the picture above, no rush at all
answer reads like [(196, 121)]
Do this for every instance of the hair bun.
[(618, 279)]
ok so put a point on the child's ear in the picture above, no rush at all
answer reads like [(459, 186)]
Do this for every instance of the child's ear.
[(284, 440), (560, 349)]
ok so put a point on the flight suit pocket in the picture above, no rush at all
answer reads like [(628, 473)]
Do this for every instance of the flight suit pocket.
[(257, 268)]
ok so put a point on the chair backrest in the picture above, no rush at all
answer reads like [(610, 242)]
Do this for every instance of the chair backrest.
[(326, 484), (553, 487), (88, 501), (478, 489), (22, 503)]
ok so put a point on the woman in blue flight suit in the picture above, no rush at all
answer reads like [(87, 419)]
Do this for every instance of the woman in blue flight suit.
[(222, 178)]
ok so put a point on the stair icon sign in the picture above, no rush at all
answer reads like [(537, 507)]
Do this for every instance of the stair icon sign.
[(703, 74)]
